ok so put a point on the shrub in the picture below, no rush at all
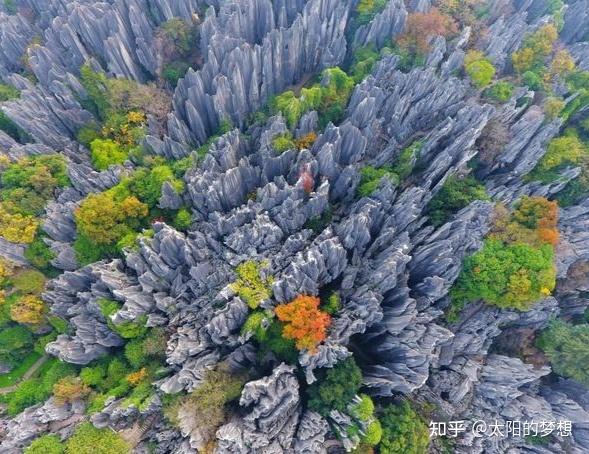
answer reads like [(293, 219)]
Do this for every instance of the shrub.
[(95, 85), (335, 387), (16, 227), (553, 107), (46, 444), (69, 389), (366, 10), (561, 152), (8, 92), (536, 47), (370, 178), (509, 276), (88, 133), (88, 252), (567, 348), (304, 322), (182, 219), (293, 107), (282, 143), (532, 80), (251, 286), (87, 439), (29, 309), (562, 63), (127, 329), (481, 72), (455, 194), (39, 254), (175, 70), (29, 281), (146, 184), (403, 431), (106, 152), (333, 303), (204, 410), (306, 141), (406, 160), (364, 60), (14, 338), (500, 91)]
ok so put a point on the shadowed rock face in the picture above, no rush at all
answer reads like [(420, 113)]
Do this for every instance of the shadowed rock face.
[(392, 269)]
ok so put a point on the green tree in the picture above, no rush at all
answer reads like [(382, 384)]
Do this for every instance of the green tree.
[(507, 275), (366, 10), (370, 178), (39, 255), (252, 285), (8, 92), (481, 72), (106, 152), (335, 388), (87, 439), (561, 152), (455, 194), (500, 91), (567, 348), (146, 184), (403, 431), (14, 338)]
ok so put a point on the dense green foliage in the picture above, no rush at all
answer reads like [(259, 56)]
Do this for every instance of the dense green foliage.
[(329, 98), (46, 444), (106, 152), (515, 267), (252, 285), (500, 91), (567, 150), (455, 194), (25, 187), (267, 331), (509, 276), (87, 439), (480, 70), (370, 176), (567, 348), (364, 59), (366, 10), (40, 255), (332, 303), (8, 92), (283, 142), (403, 431), (37, 389), (335, 387), (127, 329)]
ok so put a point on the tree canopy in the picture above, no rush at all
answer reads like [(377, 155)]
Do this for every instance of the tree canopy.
[(403, 430)]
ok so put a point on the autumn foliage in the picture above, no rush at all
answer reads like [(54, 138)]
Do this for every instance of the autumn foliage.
[(29, 310), (304, 322), (422, 26)]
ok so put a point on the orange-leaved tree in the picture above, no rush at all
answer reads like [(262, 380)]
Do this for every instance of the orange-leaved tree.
[(304, 322), (422, 26)]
